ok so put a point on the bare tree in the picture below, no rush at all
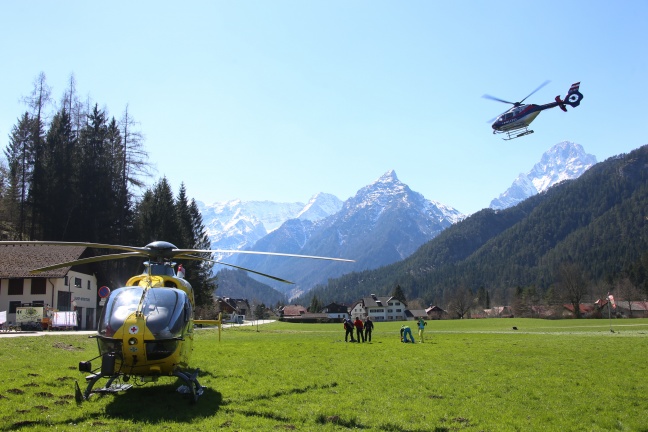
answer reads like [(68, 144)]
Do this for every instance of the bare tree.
[(572, 285), (624, 289), (135, 163), (461, 300)]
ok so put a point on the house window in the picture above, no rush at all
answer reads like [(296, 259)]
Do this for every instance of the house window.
[(13, 305), (88, 284), (398, 310), (15, 287), (77, 282), (38, 287)]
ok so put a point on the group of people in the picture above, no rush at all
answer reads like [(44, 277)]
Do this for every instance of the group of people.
[(363, 329), (406, 332)]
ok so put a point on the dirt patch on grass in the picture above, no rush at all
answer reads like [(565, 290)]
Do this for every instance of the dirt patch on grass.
[(67, 347)]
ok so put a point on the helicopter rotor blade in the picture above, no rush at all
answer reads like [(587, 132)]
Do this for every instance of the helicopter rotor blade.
[(89, 260), (183, 251), (195, 258), (88, 245), (538, 88), (487, 96), (162, 250)]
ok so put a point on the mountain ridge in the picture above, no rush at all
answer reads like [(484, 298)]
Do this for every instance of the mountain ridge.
[(563, 161)]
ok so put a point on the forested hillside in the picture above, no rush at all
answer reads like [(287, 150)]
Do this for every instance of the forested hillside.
[(597, 224), (74, 173), (238, 284)]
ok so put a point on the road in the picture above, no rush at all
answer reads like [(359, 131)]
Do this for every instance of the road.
[(4, 334)]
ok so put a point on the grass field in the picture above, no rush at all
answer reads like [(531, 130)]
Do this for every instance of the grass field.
[(470, 375)]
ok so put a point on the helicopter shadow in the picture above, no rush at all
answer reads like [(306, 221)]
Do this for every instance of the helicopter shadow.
[(162, 403)]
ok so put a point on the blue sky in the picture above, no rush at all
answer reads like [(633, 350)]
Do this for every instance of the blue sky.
[(279, 100)]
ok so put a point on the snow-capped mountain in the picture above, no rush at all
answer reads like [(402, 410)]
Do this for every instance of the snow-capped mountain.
[(383, 223), (236, 224), (564, 161)]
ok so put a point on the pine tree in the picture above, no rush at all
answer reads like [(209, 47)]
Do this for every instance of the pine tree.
[(60, 170), (19, 161), (399, 294), (205, 283)]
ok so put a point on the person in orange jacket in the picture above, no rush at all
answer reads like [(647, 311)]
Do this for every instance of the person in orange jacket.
[(359, 329)]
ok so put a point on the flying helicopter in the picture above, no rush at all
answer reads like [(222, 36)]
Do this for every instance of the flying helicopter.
[(146, 328), (515, 121)]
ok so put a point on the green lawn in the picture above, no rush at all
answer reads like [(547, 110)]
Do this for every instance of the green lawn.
[(470, 375)]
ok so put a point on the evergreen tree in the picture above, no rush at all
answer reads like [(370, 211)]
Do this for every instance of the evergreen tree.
[(61, 186), (20, 164), (399, 294), (157, 218), (315, 305), (205, 283)]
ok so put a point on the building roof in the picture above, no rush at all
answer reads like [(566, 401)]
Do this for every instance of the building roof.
[(293, 310), (376, 301), (335, 308), (633, 305), (416, 313), (16, 261)]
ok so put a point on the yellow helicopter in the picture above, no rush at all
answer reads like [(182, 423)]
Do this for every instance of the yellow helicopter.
[(146, 328)]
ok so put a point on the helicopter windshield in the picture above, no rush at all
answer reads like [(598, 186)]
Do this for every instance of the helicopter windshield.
[(166, 311)]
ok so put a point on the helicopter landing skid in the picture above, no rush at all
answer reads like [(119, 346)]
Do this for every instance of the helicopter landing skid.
[(192, 386), (516, 133), (108, 388)]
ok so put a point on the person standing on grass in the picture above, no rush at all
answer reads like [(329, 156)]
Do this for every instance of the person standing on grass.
[(421, 328), (359, 329), (368, 326), (348, 327)]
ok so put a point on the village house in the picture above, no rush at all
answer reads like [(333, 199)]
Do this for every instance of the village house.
[(632, 309), (623, 308), (379, 309), (65, 289), (336, 311), (499, 312), (434, 312), (235, 309)]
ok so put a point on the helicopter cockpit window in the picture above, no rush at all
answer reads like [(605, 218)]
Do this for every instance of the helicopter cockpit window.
[(120, 305), (163, 309), (160, 269)]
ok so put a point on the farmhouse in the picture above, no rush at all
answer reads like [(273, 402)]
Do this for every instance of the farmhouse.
[(65, 289), (236, 308), (434, 312), (336, 311), (379, 309)]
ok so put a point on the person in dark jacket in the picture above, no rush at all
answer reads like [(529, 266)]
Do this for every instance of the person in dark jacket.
[(348, 327), (368, 327)]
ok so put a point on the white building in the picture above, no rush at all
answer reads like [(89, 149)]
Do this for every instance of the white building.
[(60, 289), (379, 309)]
